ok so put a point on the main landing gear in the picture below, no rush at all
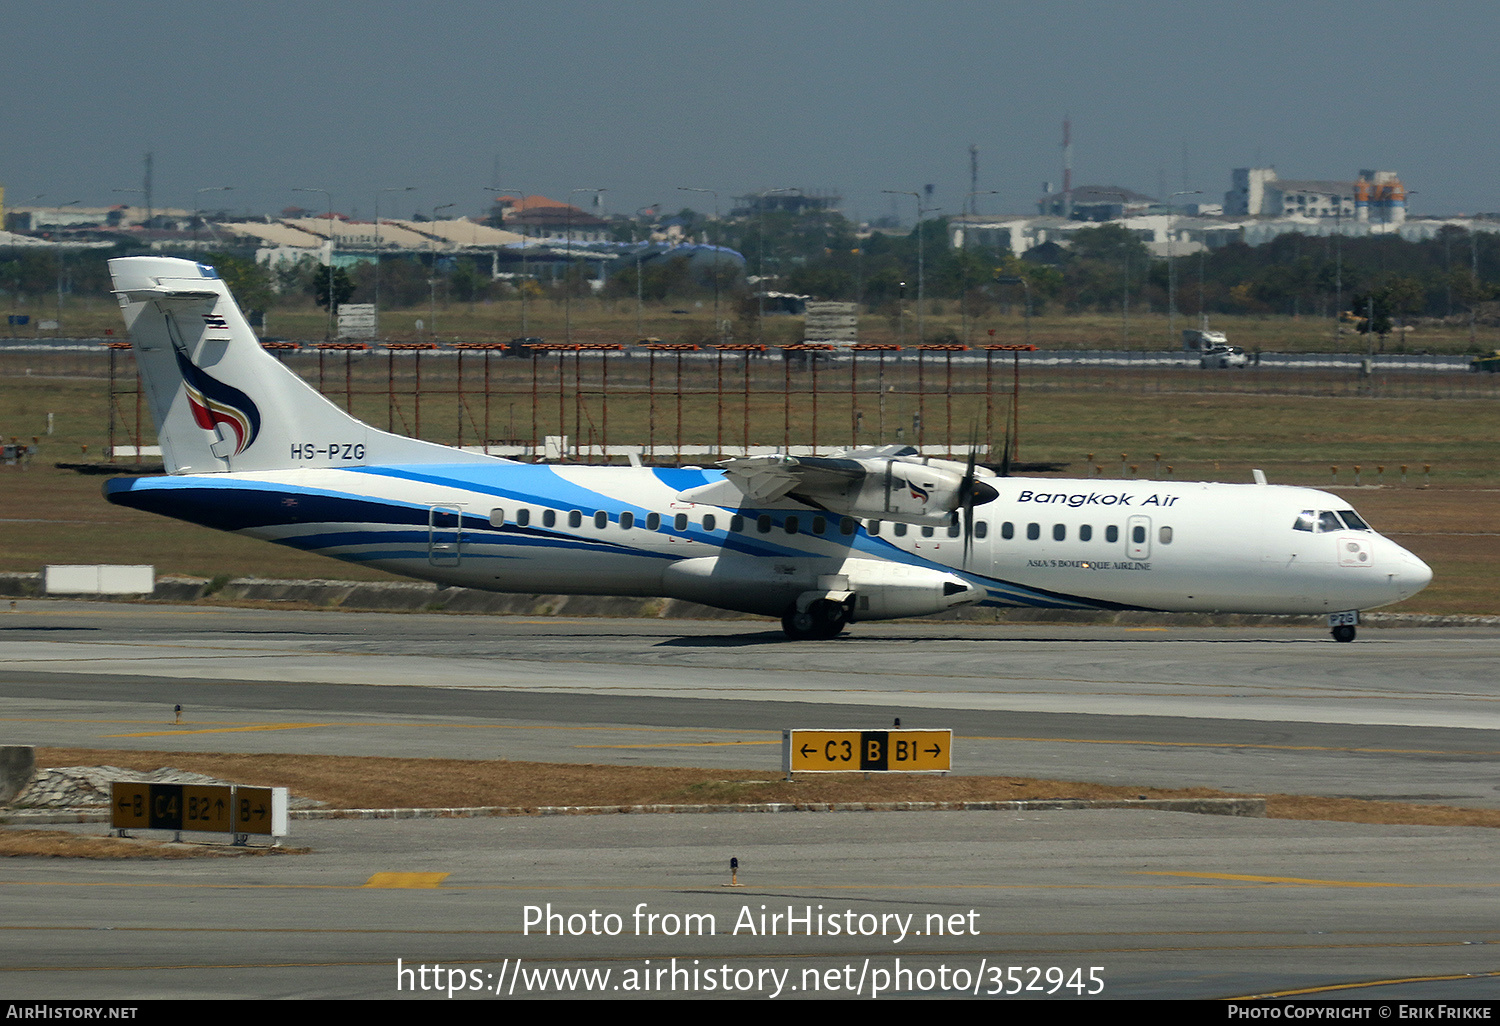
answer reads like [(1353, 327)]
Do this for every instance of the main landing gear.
[(821, 620), (1343, 632)]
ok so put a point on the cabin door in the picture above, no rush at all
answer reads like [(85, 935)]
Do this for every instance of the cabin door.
[(444, 535)]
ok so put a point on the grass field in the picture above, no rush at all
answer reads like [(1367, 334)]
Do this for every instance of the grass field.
[(56, 516), (600, 320)]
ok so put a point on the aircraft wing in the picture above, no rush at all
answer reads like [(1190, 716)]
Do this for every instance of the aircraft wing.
[(883, 487), (767, 478)]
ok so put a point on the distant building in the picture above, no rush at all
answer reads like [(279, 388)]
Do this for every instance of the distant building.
[(538, 217), (1376, 196), (785, 201), (1096, 203)]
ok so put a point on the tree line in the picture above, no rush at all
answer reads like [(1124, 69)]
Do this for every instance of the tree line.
[(824, 256)]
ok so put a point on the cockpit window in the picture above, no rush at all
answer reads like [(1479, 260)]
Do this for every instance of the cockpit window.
[(1305, 521), (1353, 520), (1329, 521)]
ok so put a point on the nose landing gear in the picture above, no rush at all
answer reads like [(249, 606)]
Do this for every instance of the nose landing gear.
[(1342, 625)]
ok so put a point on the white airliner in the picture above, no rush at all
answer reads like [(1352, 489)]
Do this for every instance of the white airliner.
[(867, 534)]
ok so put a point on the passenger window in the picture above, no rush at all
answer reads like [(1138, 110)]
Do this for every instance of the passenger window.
[(627, 520), (1085, 532), (819, 525), (601, 519), (926, 532), (982, 529), (1111, 533), (846, 526), (1305, 521), (549, 518), (763, 523), (1165, 535), (873, 526), (1033, 531), (679, 522), (709, 521), (953, 530), (1059, 532), (791, 525), (737, 524), (523, 517), (899, 529), (653, 521), (497, 518), (1007, 530), (1138, 534), (575, 518)]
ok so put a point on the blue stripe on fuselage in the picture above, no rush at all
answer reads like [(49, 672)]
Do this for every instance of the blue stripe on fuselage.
[(237, 504)]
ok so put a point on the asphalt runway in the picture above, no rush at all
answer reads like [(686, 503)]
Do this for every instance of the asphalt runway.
[(1164, 904)]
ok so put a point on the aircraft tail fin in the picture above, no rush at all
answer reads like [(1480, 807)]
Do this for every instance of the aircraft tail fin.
[(222, 403)]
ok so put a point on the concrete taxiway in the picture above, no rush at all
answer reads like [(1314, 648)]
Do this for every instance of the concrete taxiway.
[(1165, 904)]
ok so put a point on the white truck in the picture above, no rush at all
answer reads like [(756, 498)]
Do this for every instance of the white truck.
[(1213, 349), (1196, 341)]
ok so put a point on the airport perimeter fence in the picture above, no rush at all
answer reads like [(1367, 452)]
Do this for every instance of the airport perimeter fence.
[(681, 403)]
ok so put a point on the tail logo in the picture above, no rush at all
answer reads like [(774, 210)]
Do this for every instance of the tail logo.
[(214, 403)]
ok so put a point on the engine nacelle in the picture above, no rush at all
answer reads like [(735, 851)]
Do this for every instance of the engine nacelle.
[(897, 490), (902, 490), (875, 590), (888, 591)]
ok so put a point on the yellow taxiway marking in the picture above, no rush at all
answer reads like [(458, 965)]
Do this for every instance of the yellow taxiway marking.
[(684, 744), (408, 881), (222, 730), (680, 888), (448, 726), (1330, 987), (1226, 744), (1245, 878), (1143, 742)]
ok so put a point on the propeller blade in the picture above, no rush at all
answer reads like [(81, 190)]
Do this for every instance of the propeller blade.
[(1005, 454), (966, 494)]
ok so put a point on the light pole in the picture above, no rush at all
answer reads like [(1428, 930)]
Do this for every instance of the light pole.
[(921, 257), (718, 329), (378, 194), (432, 278), (1125, 254), (761, 289), (329, 335), (522, 198), (568, 248), (62, 265), (1172, 267), (198, 210), (963, 298), (1017, 279)]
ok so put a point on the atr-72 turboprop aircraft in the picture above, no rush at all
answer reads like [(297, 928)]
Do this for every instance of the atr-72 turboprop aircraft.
[(866, 534)]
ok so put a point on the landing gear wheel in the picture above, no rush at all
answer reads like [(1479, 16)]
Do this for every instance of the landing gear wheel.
[(821, 620), (1343, 633)]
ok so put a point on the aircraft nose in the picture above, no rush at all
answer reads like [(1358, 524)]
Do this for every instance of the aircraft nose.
[(1411, 575)]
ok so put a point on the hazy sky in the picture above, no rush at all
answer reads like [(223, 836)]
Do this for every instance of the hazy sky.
[(641, 97)]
